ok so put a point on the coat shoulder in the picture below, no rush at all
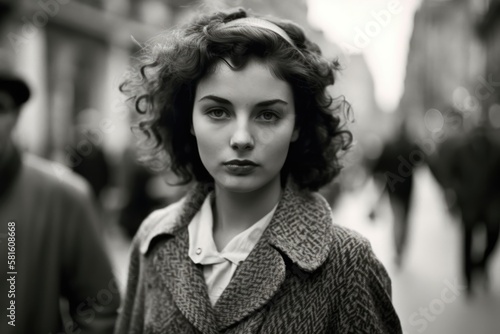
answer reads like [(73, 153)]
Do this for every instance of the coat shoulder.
[(348, 240), (353, 253), (351, 250), (161, 221), (364, 286)]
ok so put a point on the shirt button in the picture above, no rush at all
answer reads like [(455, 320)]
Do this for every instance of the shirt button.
[(198, 251)]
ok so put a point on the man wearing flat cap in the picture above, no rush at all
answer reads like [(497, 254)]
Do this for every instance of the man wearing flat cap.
[(56, 276)]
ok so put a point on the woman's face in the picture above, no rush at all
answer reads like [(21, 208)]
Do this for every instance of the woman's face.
[(244, 121)]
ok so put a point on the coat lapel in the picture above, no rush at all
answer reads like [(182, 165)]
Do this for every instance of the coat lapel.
[(184, 279), (254, 283), (301, 230)]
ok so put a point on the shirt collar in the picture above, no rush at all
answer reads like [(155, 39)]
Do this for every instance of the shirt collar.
[(202, 248), (301, 227)]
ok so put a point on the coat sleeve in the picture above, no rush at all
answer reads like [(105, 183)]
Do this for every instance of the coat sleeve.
[(88, 282), (368, 305), (131, 314)]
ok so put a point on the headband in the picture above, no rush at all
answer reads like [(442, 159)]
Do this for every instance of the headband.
[(262, 24)]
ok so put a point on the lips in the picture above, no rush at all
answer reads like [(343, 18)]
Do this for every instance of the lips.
[(240, 163), (240, 167)]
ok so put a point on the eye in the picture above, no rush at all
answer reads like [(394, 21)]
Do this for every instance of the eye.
[(217, 113), (268, 116)]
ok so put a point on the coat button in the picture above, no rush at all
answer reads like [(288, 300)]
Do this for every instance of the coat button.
[(198, 251)]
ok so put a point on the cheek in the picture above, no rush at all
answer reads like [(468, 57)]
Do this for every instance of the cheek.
[(207, 141), (205, 147), (276, 138), (275, 144)]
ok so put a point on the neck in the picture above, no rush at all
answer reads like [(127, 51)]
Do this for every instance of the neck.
[(238, 211)]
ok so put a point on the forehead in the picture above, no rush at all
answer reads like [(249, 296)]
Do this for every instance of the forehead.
[(254, 80)]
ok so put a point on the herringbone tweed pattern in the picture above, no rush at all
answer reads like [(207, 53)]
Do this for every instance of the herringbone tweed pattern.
[(305, 275)]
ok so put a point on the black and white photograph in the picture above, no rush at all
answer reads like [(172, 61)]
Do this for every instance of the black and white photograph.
[(250, 166)]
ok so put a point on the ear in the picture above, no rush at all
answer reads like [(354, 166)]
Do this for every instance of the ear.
[(295, 135), (192, 130)]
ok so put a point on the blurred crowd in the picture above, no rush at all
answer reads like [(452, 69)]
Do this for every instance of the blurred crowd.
[(465, 165)]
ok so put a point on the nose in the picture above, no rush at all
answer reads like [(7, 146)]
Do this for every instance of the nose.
[(242, 138)]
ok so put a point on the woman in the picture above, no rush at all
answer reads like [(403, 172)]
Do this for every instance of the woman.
[(239, 104)]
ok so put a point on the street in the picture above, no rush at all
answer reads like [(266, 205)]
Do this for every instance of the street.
[(428, 291)]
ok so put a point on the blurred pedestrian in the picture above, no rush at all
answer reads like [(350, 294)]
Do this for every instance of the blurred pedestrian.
[(239, 103), (54, 259), (135, 186), (475, 179), (440, 158), (394, 171), (90, 159)]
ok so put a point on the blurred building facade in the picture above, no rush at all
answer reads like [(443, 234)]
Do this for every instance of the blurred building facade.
[(74, 52), (489, 31), (446, 68)]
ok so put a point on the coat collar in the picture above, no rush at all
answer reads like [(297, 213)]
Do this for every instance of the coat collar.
[(301, 229)]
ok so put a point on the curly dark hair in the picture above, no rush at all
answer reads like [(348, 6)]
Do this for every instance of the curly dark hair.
[(162, 87)]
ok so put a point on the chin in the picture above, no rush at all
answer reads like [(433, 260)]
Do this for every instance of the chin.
[(239, 187), (235, 183), (242, 184)]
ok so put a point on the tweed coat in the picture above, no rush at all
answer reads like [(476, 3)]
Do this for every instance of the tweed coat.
[(305, 275)]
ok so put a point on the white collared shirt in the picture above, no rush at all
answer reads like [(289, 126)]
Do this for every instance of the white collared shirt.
[(219, 267)]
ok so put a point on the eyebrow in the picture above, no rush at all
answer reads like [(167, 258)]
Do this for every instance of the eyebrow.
[(224, 101)]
